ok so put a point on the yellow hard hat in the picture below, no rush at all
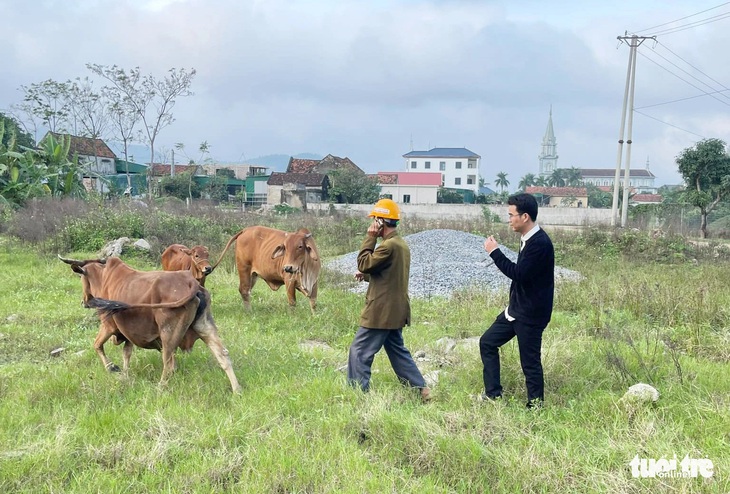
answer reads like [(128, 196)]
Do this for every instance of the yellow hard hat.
[(385, 208)]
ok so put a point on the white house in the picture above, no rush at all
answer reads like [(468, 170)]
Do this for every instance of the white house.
[(410, 187), (459, 167)]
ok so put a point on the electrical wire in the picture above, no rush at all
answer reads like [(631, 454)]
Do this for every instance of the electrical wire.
[(671, 125), (682, 18), (709, 20)]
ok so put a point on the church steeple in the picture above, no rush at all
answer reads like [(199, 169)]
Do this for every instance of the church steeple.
[(549, 155)]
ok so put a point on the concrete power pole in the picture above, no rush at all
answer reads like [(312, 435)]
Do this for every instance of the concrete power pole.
[(172, 165), (634, 42)]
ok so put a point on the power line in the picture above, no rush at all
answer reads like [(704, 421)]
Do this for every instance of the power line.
[(682, 99), (709, 20), (698, 70), (667, 123), (682, 18), (684, 80), (692, 76)]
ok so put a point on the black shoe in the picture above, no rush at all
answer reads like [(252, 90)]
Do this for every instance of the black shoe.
[(486, 397), (535, 404)]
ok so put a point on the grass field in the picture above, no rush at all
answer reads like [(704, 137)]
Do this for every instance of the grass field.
[(68, 426)]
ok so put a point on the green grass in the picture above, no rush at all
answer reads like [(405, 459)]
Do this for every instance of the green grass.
[(66, 425)]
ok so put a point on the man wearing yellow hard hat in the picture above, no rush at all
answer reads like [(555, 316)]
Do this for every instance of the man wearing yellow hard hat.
[(387, 305)]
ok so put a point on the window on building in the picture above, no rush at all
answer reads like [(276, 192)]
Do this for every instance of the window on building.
[(442, 166), (443, 180), (472, 164), (406, 198), (458, 165), (471, 179), (428, 165), (386, 196), (413, 164), (457, 181)]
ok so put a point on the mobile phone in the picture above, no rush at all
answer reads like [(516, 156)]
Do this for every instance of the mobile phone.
[(380, 222)]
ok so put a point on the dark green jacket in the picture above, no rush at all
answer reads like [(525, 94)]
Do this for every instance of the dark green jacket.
[(387, 268)]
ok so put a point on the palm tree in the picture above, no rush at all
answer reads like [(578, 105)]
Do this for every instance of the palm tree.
[(557, 178), (573, 177), (501, 181), (541, 181), (526, 181)]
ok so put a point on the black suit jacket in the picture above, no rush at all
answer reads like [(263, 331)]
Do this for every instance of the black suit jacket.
[(533, 280)]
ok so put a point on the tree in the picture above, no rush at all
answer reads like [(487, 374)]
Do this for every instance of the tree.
[(449, 196), (557, 178), (706, 171), (152, 99), (573, 176), (13, 130), (501, 181), (541, 181), (88, 109), (49, 102), (123, 119), (352, 187), (598, 198), (526, 181)]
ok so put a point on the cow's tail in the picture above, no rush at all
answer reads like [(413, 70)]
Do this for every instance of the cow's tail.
[(233, 239), (106, 308)]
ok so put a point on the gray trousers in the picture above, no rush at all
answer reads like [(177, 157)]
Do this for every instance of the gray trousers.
[(367, 343)]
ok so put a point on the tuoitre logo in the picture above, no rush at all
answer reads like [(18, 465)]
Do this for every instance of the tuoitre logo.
[(671, 468)]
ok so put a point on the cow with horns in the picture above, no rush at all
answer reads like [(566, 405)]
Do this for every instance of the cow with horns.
[(177, 257), (279, 258), (160, 310)]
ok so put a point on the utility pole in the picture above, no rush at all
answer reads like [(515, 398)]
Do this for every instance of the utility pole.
[(172, 166), (634, 42)]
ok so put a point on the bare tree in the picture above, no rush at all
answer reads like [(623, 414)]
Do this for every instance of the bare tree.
[(123, 119), (49, 102), (88, 108), (152, 99)]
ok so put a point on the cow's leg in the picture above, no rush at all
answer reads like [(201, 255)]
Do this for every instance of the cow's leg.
[(313, 298), (105, 332), (127, 355), (208, 332), (291, 291), (246, 282), (173, 324)]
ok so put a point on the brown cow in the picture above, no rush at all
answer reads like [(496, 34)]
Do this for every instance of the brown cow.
[(160, 310), (279, 258), (177, 257)]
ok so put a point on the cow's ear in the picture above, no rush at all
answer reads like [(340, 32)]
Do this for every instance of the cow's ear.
[(278, 252), (312, 253), (78, 269)]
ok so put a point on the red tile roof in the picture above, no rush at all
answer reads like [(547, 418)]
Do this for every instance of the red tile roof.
[(86, 146), (162, 170), (299, 165), (306, 179), (647, 198)]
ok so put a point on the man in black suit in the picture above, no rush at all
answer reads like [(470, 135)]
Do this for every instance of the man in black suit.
[(530, 301)]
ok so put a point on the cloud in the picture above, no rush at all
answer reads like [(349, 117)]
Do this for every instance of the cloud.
[(363, 79)]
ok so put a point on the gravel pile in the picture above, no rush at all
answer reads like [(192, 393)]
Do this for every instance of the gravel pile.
[(443, 261)]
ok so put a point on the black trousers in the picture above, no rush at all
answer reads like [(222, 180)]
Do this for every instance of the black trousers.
[(367, 343), (529, 340)]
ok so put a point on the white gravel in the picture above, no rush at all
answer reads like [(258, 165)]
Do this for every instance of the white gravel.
[(444, 261)]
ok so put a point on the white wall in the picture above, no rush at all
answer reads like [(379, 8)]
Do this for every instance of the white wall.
[(546, 216), (420, 194)]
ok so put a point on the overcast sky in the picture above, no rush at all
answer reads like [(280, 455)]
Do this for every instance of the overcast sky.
[(366, 78)]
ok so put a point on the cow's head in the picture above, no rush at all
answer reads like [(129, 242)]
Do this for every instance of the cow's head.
[(200, 256), (91, 272), (298, 250)]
